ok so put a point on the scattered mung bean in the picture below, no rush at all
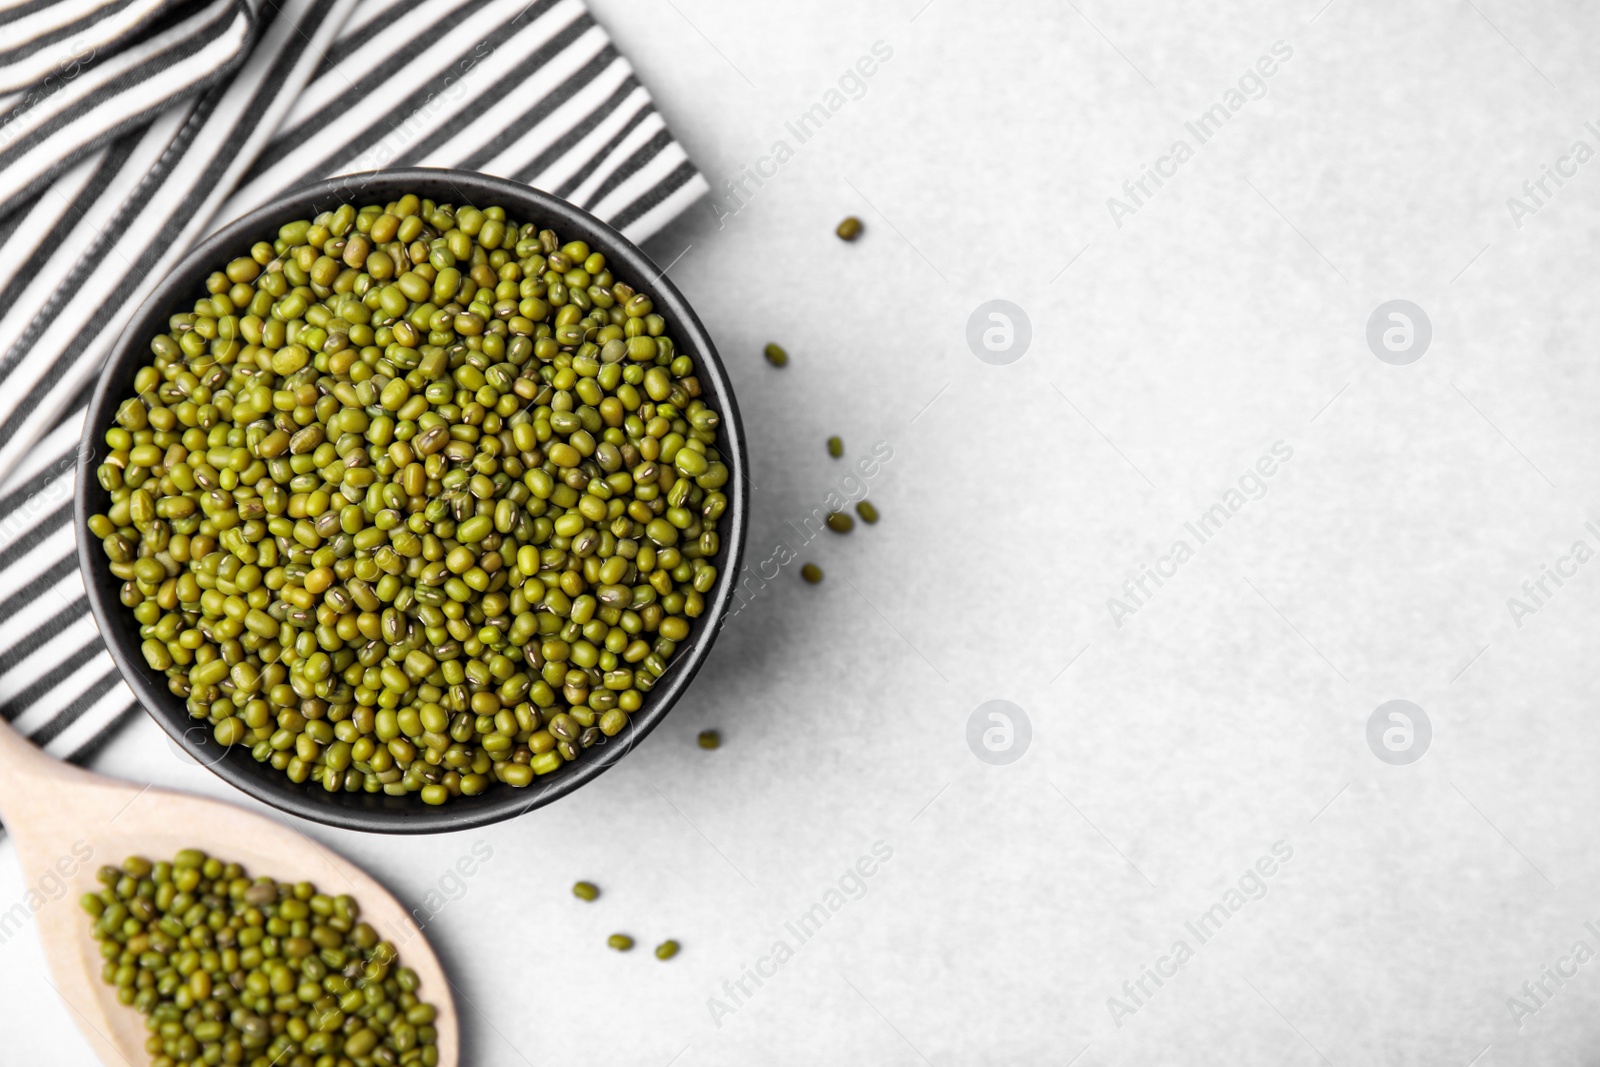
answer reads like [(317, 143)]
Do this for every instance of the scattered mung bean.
[(849, 229), (811, 573), (666, 950), (775, 354), (620, 942), (586, 891), (839, 522), (836, 446), (232, 969), (868, 513), (416, 499), (710, 739)]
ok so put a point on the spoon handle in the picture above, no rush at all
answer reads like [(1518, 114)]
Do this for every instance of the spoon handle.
[(29, 776)]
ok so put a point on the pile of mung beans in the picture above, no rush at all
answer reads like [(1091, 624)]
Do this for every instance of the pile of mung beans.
[(415, 499), (230, 969)]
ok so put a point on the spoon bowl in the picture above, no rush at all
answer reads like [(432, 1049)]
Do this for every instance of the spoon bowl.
[(67, 823)]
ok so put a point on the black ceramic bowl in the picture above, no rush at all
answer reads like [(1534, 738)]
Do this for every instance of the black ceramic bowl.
[(178, 291)]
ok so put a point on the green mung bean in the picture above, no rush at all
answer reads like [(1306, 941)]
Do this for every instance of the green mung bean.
[(839, 522), (811, 573), (415, 500), (849, 229), (666, 950), (232, 969), (586, 891), (868, 513), (775, 354), (620, 942), (835, 446), (709, 739)]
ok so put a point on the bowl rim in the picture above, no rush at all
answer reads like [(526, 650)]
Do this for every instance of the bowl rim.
[(380, 813)]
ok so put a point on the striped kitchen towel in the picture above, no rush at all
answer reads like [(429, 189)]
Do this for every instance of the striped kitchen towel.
[(129, 129)]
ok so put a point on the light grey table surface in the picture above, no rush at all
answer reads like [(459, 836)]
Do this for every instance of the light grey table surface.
[(1227, 716)]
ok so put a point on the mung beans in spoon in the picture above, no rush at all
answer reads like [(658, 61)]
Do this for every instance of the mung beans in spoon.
[(232, 969)]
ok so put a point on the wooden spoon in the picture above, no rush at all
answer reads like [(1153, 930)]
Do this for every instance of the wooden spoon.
[(67, 823)]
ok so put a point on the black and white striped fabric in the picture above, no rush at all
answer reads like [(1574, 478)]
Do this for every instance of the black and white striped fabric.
[(72, 99), (131, 128)]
